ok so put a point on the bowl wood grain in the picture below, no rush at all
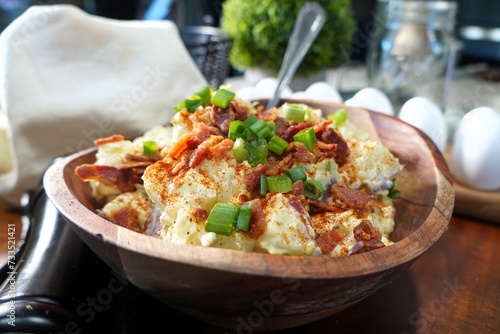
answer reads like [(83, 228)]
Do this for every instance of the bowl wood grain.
[(241, 290)]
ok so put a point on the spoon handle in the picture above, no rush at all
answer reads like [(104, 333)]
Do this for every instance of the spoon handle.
[(309, 22)]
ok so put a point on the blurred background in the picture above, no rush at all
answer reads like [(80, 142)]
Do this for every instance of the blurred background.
[(478, 22)]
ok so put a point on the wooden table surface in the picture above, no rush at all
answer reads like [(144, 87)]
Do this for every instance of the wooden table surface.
[(453, 288)]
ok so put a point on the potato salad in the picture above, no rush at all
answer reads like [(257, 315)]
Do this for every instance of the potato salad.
[(230, 174)]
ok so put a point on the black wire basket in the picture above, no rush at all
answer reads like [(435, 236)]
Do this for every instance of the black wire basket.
[(209, 47)]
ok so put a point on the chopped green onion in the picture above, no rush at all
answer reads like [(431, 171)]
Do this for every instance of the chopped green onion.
[(257, 152), (250, 120), (260, 128), (296, 173), (393, 192), (295, 111), (313, 189), (149, 148), (243, 221), (222, 98), (236, 130), (277, 144), (222, 218), (239, 150), (263, 185), (279, 184), (339, 117), (189, 104), (204, 94), (306, 137)]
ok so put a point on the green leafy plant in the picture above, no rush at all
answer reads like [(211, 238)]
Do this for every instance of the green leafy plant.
[(260, 30)]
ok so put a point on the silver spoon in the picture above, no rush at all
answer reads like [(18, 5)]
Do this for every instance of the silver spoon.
[(309, 22)]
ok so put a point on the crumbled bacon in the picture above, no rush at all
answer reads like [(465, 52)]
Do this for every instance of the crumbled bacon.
[(222, 118), (330, 136), (358, 200), (328, 240), (110, 139), (123, 179), (257, 220), (365, 232)]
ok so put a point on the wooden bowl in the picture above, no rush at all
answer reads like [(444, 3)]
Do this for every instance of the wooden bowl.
[(251, 291)]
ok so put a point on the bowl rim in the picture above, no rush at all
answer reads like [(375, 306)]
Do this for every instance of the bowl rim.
[(402, 252)]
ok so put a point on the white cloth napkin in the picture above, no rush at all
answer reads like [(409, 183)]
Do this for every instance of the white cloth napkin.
[(68, 77)]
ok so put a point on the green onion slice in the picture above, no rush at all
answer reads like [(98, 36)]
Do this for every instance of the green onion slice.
[(313, 189), (277, 145), (296, 174), (279, 184), (243, 221), (189, 104), (222, 218), (256, 152), (306, 137), (222, 98), (149, 148), (339, 117), (393, 192), (236, 130), (263, 185), (204, 94), (239, 150), (295, 111)]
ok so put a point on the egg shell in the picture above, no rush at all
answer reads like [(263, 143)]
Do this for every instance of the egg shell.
[(247, 93), (475, 157), (323, 91), (426, 116), (372, 99), (266, 87)]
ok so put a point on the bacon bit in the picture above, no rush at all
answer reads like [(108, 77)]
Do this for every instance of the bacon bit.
[(268, 115), (200, 214), (222, 118), (222, 148), (240, 110), (298, 188), (178, 166), (141, 158), (128, 218), (329, 240), (110, 139), (286, 163), (123, 179), (330, 136), (319, 206), (358, 200), (134, 165), (201, 131), (257, 220), (281, 125), (327, 147), (292, 131), (208, 148), (322, 126), (198, 155), (186, 141), (365, 232), (252, 178), (302, 154)]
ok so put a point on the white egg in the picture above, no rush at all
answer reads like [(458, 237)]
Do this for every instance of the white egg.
[(475, 157), (266, 87), (426, 116), (323, 91), (372, 99), (247, 93), (299, 95)]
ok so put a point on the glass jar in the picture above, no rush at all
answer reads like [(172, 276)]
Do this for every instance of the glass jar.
[(410, 49)]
